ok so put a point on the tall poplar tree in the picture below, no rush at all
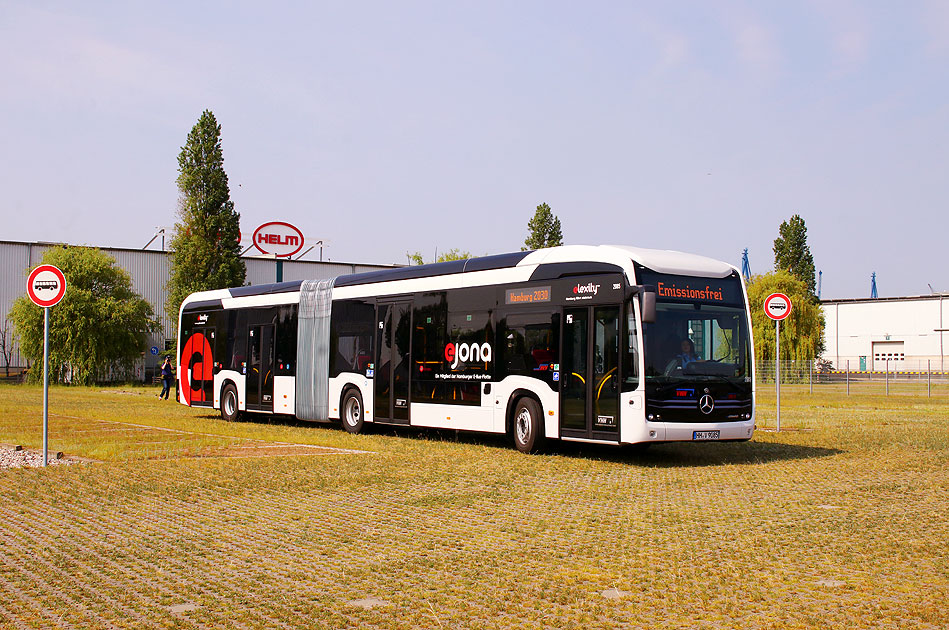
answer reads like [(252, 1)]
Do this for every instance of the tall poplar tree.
[(792, 253), (205, 250), (543, 230)]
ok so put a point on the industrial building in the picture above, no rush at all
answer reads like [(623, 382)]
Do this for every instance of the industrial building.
[(900, 334), (149, 270)]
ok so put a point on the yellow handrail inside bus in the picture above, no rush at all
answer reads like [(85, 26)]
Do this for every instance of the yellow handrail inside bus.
[(606, 377)]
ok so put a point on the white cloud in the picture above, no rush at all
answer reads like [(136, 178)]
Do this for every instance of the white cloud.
[(55, 57), (674, 50), (935, 24), (849, 32), (757, 45)]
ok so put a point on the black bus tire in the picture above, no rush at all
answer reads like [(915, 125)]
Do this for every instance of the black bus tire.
[(230, 405), (352, 411), (528, 425)]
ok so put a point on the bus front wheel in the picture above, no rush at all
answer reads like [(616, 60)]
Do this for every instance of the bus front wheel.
[(230, 409), (528, 426), (353, 411)]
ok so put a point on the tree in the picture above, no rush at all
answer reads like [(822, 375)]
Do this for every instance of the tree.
[(792, 253), (543, 230), (205, 250), (100, 327), (6, 345), (452, 254), (802, 332)]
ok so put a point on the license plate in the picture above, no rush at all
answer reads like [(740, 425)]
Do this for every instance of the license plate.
[(705, 435)]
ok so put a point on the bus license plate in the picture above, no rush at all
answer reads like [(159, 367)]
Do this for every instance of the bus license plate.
[(705, 435)]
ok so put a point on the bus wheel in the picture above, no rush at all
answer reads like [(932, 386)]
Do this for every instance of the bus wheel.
[(353, 411), (230, 409), (528, 426)]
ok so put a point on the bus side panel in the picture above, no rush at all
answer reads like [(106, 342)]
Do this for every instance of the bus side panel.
[(338, 383), (633, 425), (549, 402), (445, 416), (231, 376), (284, 394)]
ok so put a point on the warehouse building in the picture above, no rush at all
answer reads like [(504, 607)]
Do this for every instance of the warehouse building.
[(901, 334), (149, 270)]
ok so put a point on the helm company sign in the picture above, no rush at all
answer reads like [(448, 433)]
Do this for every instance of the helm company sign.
[(278, 239)]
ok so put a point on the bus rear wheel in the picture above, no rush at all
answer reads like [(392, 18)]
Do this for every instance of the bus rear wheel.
[(353, 411), (528, 426), (230, 408)]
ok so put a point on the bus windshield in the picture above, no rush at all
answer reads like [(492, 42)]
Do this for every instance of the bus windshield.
[(700, 333), (698, 342)]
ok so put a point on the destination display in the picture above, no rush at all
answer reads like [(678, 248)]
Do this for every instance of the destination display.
[(527, 295), (673, 288), (601, 289)]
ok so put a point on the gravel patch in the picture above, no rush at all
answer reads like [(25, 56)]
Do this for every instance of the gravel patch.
[(13, 458)]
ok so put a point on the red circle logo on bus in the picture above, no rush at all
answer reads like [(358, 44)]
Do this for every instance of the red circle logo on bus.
[(196, 368)]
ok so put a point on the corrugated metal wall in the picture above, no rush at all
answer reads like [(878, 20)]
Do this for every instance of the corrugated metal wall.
[(264, 270), (14, 267), (149, 270)]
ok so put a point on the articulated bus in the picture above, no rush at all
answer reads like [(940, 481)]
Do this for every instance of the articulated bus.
[(604, 344)]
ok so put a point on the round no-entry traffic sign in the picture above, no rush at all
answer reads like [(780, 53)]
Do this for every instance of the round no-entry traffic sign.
[(777, 306), (46, 286)]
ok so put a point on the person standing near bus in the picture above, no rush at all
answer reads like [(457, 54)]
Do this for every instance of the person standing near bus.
[(166, 376)]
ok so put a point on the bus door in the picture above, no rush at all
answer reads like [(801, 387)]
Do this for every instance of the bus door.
[(197, 359), (259, 384), (392, 373), (589, 373)]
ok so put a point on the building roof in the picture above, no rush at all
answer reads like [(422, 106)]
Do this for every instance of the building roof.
[(909, 298)]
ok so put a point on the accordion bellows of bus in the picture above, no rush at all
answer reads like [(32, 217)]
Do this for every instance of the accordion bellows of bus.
[(606, 344)]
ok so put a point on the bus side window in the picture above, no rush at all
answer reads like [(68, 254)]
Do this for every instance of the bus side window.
[(529, 344), (351, 334), (631, 351)]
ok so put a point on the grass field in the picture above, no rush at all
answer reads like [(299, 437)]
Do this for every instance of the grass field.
[(186, 521)]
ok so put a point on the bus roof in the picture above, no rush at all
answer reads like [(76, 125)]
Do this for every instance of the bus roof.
[(585, 258)]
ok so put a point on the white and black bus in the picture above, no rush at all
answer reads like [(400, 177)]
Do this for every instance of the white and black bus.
[(605, 344)]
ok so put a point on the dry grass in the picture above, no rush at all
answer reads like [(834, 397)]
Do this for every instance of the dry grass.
[(838, 522)]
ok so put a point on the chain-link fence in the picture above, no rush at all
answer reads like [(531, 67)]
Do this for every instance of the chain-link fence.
[(919, 378)]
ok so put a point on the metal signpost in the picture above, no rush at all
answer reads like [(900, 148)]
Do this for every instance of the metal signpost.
[(778, 307), (46, 286)]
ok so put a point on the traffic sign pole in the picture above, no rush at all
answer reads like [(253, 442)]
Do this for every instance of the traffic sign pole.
[(46, 286), (778, 307), (45, 386), (777, 369)]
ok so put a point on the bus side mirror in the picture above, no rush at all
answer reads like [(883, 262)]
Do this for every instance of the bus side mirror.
[(648, 305), (647, 297)]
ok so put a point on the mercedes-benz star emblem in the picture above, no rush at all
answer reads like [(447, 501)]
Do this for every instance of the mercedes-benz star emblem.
[(706, 404)]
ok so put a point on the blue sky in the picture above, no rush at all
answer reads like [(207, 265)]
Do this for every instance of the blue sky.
[(383, 128)]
